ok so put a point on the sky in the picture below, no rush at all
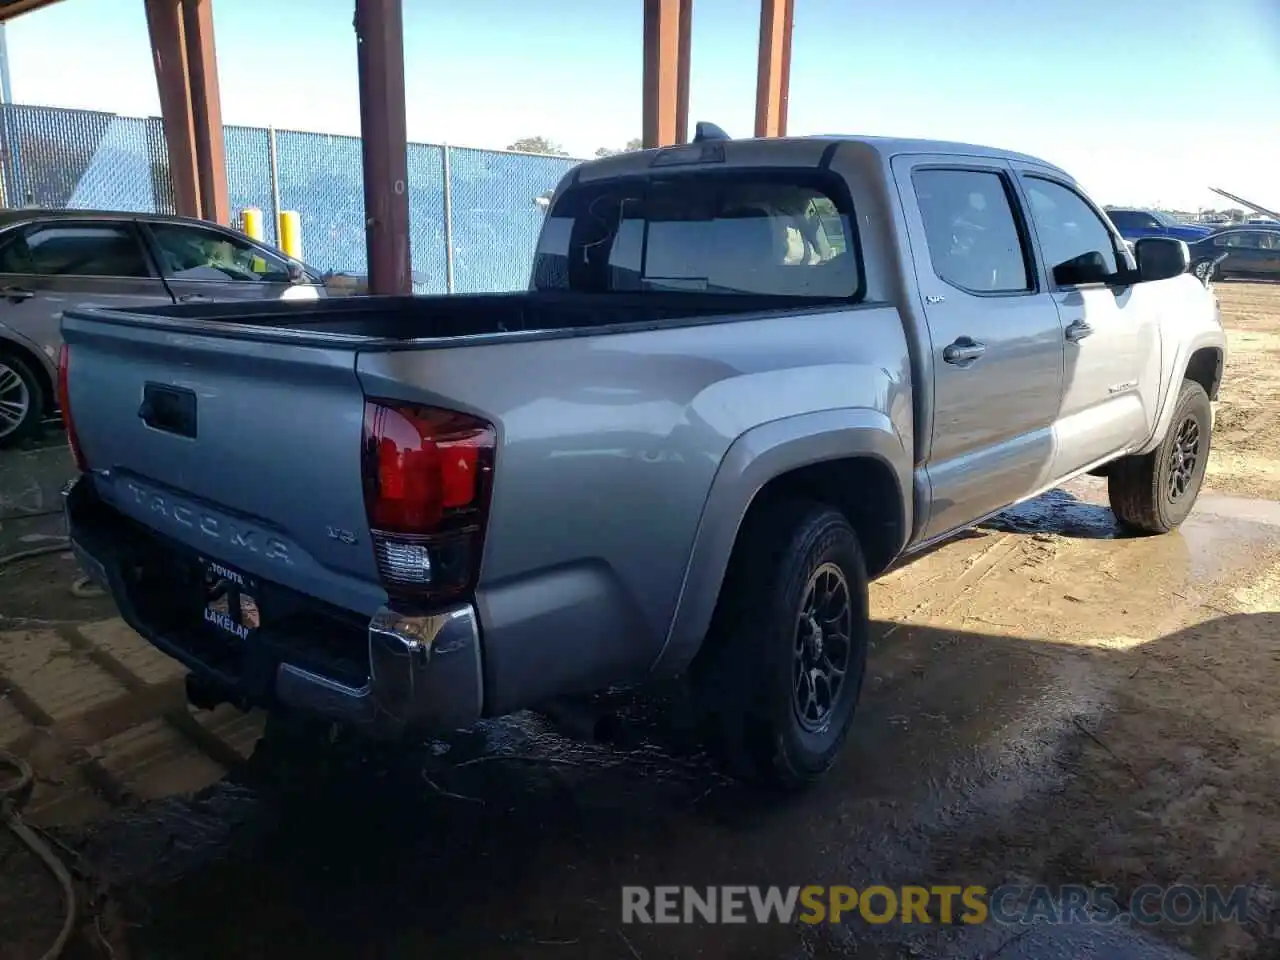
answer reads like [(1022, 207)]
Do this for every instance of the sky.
[(1146, 102)]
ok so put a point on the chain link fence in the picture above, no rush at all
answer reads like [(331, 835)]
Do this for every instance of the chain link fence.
[(473, 220)]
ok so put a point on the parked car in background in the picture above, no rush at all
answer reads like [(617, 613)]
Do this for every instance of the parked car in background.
[(1244, 253), (1134, 224), (54, 259)]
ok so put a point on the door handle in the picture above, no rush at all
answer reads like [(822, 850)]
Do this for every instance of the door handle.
[(194, 298), (17, 294), (964, 351), (1078, 331)]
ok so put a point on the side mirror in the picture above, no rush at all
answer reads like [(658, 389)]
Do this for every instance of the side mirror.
[(1160, 258)]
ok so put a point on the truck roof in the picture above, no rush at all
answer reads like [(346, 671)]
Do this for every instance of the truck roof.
[(895, 146), (884, 147)]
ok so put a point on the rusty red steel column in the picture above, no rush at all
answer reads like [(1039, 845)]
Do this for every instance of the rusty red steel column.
[(667, 28), (384, 144), (682, 71), (168, 51), (206, 108), (773, 71)]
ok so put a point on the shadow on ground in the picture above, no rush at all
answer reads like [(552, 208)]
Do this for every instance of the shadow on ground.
[(1003, 760), (976, 757)]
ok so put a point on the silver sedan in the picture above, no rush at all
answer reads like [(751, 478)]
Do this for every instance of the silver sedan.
[(53, 259)]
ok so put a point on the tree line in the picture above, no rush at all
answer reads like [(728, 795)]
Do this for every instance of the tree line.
[(550, 148)]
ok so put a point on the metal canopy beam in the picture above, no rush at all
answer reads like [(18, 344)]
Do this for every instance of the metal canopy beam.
[(13, 8), (168, 49), (206, 106), (190, 109), (668, 26), (773, 71), (384, 144)]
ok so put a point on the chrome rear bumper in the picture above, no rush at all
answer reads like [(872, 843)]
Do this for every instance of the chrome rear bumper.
[(424, 672)]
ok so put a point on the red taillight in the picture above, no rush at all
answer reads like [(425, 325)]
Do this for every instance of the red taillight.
[(64, 405), (427, 474)]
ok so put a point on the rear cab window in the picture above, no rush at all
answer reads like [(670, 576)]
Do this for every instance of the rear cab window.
[(764, 232)]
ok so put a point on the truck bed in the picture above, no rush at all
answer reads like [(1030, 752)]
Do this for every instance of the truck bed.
[(390, 320)]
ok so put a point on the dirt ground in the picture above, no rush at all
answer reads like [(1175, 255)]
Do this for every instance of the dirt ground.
[(1047, 701), (1246, 459)]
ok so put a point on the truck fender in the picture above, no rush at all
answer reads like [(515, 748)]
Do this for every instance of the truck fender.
[(751, 461), (1187, 348)]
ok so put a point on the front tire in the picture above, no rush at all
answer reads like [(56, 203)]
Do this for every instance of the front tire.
[(1154, 493), (781, 673)]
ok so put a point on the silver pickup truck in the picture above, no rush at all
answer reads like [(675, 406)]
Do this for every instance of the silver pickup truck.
[(747, 376)]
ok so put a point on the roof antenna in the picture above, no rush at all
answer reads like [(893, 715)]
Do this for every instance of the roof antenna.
[(703, 131)]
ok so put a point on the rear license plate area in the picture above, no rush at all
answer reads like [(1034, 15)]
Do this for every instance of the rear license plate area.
[(230, 601)]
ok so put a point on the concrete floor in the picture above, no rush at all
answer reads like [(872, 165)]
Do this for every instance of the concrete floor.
[(1046, 701), (996, 741)]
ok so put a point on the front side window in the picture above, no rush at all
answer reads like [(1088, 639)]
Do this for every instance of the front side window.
[(1077, 245), (972, 233), (191, 253), (747, 233), (75, 250)]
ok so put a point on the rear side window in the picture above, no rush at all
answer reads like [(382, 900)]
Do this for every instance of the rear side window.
[(756, 232), (1249, 241), (972, 232), (72, 250)]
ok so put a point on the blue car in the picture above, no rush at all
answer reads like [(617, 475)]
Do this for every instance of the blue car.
[(1134, 223)]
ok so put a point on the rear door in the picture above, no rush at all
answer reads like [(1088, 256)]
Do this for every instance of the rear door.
[(996, 337), (47, 267), (1111, 372), (205, 263)]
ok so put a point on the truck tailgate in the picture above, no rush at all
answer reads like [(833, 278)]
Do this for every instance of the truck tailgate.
[(246, 451)]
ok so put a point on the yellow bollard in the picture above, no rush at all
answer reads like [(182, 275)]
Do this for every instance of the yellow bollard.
[(251, 222), (291, 233)]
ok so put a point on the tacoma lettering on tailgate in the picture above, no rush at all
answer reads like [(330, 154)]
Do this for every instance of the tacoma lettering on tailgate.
[(240, 536)]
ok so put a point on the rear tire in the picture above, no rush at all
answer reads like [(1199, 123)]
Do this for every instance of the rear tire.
[(779, 678), (22, 401), (1154, 493)]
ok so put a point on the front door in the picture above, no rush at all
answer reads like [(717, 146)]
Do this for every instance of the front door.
[(1111, 371), (47, 267), (995, 336)]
